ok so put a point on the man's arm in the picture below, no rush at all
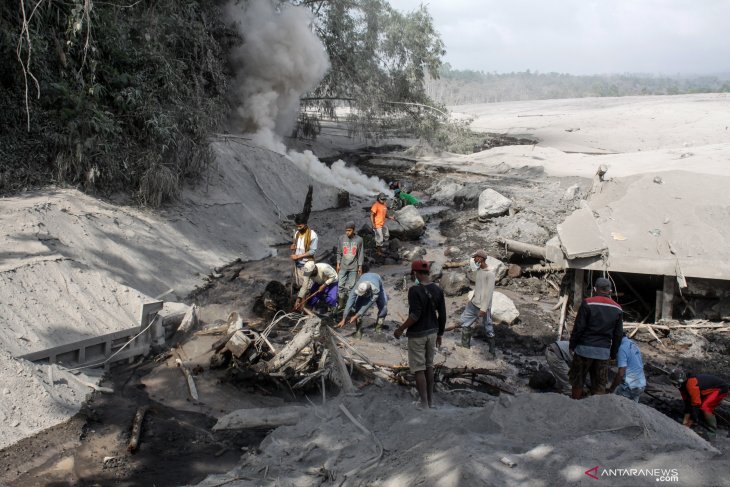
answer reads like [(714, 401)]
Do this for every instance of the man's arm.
[(622, 362), (618, 379), (340, 243), (360, 253), (415, 307), (581, 320), (313, 245), (441, 311)]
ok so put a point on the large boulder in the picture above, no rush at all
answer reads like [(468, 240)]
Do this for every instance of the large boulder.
[(437, 270), (454, 283), (413, 254), (503, 309), (492, 204), (446, 192), (410, 224)]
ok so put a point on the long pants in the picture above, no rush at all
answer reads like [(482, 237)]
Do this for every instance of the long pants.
[(346, 280), (328, 297), (381, 235), (559, 368), (626, 391), (470, 319), (712, 400)]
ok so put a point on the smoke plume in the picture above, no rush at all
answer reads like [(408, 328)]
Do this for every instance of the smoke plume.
[(279, 60)]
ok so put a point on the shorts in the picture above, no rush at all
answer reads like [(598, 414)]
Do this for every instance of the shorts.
[(582, 366), (421, 351)]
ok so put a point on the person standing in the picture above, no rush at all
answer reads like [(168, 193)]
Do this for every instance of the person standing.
[(478, 311), (320, 281), (424, 328), (378, 216), (629, 380), (350, 258), (304, 248), (595, 339), (700, 392), (369, 290)]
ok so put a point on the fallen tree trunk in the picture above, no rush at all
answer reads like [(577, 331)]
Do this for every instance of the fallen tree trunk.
[(521, 248), (133, 444), (296, 345), (260, 418), (189, 378)]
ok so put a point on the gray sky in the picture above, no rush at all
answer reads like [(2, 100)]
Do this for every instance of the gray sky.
[(583, 36)]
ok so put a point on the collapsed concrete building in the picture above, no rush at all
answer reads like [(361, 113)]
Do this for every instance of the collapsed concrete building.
[(663, 238)]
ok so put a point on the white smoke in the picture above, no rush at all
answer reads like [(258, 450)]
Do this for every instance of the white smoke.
[(279, 60)]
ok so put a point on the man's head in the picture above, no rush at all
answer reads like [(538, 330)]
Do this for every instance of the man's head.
[(480, 257), (350, 228), (310, 268), (678, 377), (300, 223), (602, 286), (363, 288), (382, 198), (420, 269)]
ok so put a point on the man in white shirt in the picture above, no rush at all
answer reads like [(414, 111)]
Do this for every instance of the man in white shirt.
[(478, 309), (304, 248)]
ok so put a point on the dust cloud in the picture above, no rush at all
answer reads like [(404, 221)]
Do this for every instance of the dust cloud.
[(280, 59)]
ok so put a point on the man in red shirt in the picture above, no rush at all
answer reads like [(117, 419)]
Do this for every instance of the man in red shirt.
[(378, 215), (700, 392)]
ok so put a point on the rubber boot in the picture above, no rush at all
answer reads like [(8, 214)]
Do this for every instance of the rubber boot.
[(492, 346), (711, 425), (465, 338), (341, 303), (358, 329), (379, 325)]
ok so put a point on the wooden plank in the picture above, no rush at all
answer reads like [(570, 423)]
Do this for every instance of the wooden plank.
[(670, 283), (578, 284)]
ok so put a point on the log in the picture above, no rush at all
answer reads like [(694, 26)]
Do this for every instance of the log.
[(189, 378), (133, 444), (455, 264), (563, 315), (295, 345), (343, 377), (528, 250), (260, 418)]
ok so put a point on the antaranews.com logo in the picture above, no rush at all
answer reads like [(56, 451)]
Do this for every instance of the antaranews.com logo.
[(659, 474)]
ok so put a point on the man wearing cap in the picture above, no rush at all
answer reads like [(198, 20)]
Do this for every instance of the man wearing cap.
[(595, 339), (424, 328), (478, 311), (369, 290), (378, 215), (700, 393), (320, 282), (304, 247), (349, 262)]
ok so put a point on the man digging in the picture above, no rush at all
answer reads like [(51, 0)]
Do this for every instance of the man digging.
[(424, 328), (320, 281), (350, 256), (369, 290)]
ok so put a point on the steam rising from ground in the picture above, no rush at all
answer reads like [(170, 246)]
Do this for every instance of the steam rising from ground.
[(280, 59)]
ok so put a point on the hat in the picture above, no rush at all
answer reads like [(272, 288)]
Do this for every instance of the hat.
[(480, 253), (678, 377), (350, 224), (382, 197), (603, 283), (309, 268), (362, 289), (420, 266)]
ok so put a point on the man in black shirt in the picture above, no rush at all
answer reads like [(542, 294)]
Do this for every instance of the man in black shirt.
[(425, 327)]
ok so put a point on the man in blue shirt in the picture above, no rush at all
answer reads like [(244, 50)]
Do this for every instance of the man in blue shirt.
[(368, 290), (630, 380)]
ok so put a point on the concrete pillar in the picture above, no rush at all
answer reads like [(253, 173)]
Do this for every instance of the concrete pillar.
[(658, 306), (578, 285), (668, 297)]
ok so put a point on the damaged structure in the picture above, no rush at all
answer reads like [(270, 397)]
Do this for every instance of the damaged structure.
[(661, 237)]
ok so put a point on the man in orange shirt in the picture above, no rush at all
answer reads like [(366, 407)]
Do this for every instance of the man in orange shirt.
[(700, 392), (378, 215)]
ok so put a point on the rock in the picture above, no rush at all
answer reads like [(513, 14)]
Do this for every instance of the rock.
[(452, 252), (437, 270), (6, 391), (497, 266), (571, 193), (414, 254), (468, 196), (503, 309), (454, 283), (410, 224), (492, 204), (445, 191), (394, 244), (522, 230), (514, 271)]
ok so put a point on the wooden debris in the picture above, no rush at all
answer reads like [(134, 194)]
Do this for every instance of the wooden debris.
[(296, 345), (452, 265), (134, 437), (342, 376), (260, 418), (189, 378), (238, 343), (563, 315), (538, 268), (521, 248)]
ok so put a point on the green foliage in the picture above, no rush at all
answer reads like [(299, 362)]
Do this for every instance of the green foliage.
[(128, 95)]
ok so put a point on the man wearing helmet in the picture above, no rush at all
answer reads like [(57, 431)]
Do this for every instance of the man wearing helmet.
[(424, 328), (700, 392), (369, 290), (378, 215), (320, 281)]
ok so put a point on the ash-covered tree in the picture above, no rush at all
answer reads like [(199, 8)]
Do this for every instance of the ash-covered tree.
[(380, 58)]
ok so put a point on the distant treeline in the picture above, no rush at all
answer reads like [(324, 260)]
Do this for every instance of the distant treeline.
[(458, 87)]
